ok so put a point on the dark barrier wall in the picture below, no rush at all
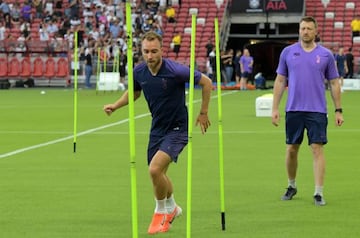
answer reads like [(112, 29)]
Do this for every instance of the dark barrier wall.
[(261, 6)]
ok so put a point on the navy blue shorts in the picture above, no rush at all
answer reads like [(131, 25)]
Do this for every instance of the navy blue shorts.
[(172, 144), (315, 124), (245, 74)]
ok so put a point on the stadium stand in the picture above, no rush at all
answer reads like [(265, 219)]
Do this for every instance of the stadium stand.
[(48, 59), (335, 24), (46, 55), (206, 12), (334, 21)]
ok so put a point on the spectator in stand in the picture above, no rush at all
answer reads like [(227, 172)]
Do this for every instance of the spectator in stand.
[(110, 15), (137, 18), (158, 18), (94, 34), (176, 41), (114, 28), (15, 14), (2, 31), (58, 8), (26, 11), (350, 64), (75, 21), (25, 28), (355, 26), (146, 15), (146, 26), (340, 59), (52, 27), (88, 15), (64, 26), (209, 47), (170, 14), (43, 34), (86, 4), (157, 28), (74, 8), (39, 8), (5, 9), (49, 7), (47, 17), (152, 6), (119, 10), (102, 20)]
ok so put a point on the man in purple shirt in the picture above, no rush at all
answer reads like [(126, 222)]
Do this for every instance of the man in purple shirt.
[(303, 68), (163, 84), (246, 65)]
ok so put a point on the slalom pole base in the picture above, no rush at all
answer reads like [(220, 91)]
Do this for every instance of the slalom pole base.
[(223, 221)]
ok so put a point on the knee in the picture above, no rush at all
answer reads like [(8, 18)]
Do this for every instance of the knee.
[(154, 171), (292, 150)]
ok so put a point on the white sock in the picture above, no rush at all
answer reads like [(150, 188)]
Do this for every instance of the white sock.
[(160, 206), (170, 204), (292, 183), (319, 190)]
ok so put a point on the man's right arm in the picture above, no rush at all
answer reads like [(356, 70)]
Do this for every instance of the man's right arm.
[(279, 87), (122, 101)]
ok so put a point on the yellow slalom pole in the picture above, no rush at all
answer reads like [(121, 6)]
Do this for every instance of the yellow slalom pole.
[(190, 129), (98, 69), (75, 87), (220, 129), (134, 211)]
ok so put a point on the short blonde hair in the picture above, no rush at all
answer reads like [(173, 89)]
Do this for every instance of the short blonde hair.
[(151, 36)]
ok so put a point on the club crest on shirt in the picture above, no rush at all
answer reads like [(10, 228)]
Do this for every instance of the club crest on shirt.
[(254, 3), (317, 59), (164, 83), (295, 55)]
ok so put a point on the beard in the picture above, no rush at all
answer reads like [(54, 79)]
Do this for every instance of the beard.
[(307, 39), (153, 64)]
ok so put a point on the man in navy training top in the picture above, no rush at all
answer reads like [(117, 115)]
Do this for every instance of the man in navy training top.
[(163, 84), (303, 68)]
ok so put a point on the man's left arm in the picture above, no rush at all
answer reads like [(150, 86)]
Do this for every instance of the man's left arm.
[(336, 97)]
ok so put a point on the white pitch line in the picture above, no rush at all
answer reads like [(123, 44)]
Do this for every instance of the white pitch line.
[(67, 137), (18, 151)]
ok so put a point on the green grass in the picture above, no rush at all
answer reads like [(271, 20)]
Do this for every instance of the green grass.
[(49, 191)]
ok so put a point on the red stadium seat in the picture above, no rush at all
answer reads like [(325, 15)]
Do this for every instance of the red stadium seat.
[(13, 67), (3, 67), (62, 68), (25, 67), (49, 68), (38, 69)]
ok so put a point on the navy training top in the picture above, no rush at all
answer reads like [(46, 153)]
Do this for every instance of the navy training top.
[(165, 95)]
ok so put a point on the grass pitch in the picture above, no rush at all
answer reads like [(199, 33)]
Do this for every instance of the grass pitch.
[(49, 191)]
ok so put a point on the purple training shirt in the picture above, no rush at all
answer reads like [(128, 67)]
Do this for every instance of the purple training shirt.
[(306, 73), (246, 62)]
